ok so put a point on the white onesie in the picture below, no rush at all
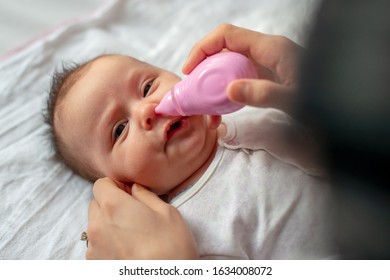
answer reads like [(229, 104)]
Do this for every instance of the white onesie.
[(255, 201)]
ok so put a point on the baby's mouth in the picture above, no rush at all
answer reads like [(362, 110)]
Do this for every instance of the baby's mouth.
[(174, 127)]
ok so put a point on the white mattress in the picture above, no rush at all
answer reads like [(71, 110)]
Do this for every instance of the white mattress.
[(43, 205)]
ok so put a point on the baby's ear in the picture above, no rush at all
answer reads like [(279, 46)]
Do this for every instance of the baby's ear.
[(213, 121)]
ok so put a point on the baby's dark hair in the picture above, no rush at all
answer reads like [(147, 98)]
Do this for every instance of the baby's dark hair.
[(62, 81)]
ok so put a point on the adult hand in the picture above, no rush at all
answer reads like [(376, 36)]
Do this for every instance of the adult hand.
[(274, 56), (136, 226)]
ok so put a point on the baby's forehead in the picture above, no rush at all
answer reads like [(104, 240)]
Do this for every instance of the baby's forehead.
[(100, 65), (119, 58), (104, 64)]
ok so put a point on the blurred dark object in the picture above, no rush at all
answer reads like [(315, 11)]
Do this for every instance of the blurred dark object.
[(346, 101)]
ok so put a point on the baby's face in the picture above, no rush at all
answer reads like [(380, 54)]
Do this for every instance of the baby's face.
[(108, 118)]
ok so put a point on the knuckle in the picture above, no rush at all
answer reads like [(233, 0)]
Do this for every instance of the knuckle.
[(108, 206), (285, 43), (225, 27), (170, 211)]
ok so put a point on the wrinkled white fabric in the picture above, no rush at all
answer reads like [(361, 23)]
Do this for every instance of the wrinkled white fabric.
[(254, 201)]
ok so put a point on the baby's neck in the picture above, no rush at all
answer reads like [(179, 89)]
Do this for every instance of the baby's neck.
[(194, 177)]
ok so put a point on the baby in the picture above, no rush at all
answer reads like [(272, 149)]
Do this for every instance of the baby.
[(241, 186), (104, 125)]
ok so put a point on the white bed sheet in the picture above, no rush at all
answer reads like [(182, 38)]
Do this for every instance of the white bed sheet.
[(23, 20), (43, 204)]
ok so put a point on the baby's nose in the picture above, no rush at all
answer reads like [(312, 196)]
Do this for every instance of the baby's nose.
[(148, 116)]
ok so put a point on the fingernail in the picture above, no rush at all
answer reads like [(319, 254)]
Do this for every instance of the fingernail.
[(137, 187)]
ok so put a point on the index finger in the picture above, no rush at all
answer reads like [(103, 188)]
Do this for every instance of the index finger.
[(225, 36)]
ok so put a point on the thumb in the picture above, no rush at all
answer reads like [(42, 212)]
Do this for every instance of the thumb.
[(147, 197), (261, 93)]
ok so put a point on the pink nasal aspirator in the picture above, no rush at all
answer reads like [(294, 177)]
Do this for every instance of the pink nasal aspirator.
[(203, 91)]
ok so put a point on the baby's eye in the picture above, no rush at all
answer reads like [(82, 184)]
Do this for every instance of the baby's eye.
[(118, 130), (147, 88)]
